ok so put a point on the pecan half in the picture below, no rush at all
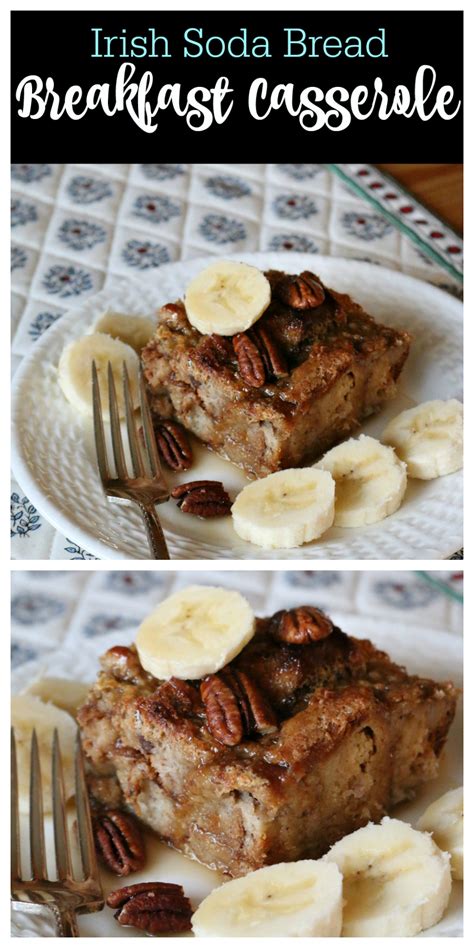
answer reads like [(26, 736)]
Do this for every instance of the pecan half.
[(274, 361), (259, 356), (123, 663), (301, 626), (250, 362), (203, 499), (304, 291), (235, 707), (174, 309), (153, 907), (119, 842), (173, 445)]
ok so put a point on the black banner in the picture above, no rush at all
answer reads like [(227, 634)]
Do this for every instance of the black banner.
[(237, 86)]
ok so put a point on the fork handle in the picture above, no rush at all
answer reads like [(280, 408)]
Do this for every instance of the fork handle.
[(66, 922), (155, 533)]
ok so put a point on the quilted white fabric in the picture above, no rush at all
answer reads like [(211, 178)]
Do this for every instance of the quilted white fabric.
[(62, 621)]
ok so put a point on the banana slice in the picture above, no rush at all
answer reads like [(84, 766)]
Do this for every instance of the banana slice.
[(75, 371), (444, 819), (292, 899), (285, 509), (370, 481), (195, 632), (396, 880), (134, 331), (65, 693), (28, 712), (428, 438), (227, 298)]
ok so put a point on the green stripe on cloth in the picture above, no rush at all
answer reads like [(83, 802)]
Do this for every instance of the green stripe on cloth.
[(441, 586), (424, 245)]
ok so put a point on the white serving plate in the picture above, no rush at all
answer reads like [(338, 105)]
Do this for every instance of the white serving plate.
[(53, 452), (435, 654)]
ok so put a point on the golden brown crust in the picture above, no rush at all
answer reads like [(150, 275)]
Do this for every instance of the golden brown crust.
[(337, 359), (355, 734)]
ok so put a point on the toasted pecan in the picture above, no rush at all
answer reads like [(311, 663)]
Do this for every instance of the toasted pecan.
[(154, 907), (301, 626), (249, 359), (304, 291), (274, 360), (173, 444), (119, 842), (203, 499), (235, 707)]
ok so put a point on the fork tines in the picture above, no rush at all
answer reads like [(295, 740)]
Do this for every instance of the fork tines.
[(64, 869), (146, 486), (145, 457), (148, 431), (15, 815), (37, 847)]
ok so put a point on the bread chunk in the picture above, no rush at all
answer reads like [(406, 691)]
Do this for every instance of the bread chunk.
[(355, 735), (327, 368)]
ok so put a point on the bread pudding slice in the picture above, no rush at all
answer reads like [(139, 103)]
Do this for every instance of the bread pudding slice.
[(351, 735), (278, 396)]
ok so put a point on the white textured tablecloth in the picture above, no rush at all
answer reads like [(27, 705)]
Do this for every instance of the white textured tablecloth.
[(63, 621), (76, 227)]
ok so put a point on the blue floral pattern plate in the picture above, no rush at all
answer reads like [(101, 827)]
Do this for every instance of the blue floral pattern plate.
[(53, 450)]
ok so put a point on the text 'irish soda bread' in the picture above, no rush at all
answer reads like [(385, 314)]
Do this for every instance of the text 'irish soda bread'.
[(306, 735), (305, 374)]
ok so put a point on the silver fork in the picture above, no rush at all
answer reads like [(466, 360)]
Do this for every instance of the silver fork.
[(147, 487), (65, 895)]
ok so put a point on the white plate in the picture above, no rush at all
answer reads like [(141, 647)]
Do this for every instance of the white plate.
[(435, 654), (53, 452)]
